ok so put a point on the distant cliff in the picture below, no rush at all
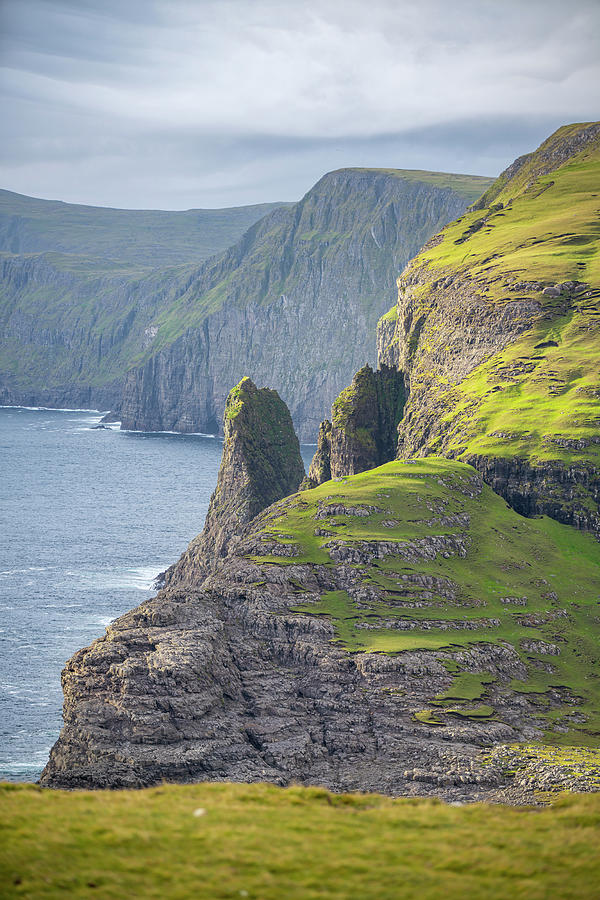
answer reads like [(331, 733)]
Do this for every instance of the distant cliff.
[(294, 304), (80, 286)]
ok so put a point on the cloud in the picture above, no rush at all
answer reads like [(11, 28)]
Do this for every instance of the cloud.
[(149, 102)]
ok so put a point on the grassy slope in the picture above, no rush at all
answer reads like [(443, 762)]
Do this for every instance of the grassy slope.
[(259, 841), (549, 232), (145, 237), (553, 566)]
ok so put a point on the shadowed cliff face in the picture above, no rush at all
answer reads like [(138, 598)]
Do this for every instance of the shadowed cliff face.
[(497, 327), (363, 432), (294, 304)]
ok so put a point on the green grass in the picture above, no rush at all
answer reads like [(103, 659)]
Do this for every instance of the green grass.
[(526, 396), (259, 841), (552, 569), (556, 400), (533, 237)]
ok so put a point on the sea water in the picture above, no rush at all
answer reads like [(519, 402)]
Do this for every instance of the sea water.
[(88, 518)]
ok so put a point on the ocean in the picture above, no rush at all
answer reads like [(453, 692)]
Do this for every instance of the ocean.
[(88, 518)]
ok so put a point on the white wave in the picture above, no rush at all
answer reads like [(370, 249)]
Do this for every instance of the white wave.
[(130, 577), (178, 433), (51, 408), (28, 569)]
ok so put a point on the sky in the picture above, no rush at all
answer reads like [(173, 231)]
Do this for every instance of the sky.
[(178, 104)]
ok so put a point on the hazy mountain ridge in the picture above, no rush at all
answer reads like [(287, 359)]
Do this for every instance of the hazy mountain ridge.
[(141, 237)]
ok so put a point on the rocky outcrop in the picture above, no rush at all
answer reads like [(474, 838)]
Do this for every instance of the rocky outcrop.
[(363, 431), (567, 493), (261, 464), (229, 684), (320, 466), (294, 304)]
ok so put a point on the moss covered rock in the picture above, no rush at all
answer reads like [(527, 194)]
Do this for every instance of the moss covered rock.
[(261, 464), (363, 430)]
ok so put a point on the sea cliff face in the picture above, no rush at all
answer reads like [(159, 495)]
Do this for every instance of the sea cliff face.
[(294, 304), (80, 287), (497, 330)]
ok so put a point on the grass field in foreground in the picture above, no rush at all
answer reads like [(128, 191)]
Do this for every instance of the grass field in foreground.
[(259, 841)]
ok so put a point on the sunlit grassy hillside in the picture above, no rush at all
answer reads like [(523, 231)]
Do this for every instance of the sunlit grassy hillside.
[(538, 397), (533, 584)]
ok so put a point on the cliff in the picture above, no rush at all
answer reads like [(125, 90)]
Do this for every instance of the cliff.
[(497, 330), (294, 304), (363, 430), (261, 463), (80, 287), (399, 629), (374, 634)]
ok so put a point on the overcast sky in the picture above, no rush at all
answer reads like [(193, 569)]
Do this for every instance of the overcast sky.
[(204, 103)]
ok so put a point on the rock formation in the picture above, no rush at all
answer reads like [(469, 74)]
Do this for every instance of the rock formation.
[(363, 432), (350, 637), (261, 464)]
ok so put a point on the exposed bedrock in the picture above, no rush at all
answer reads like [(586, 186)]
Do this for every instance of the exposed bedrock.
[(567, 493), (261, 463), (363, 430), (227, 683), (220, 678)]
